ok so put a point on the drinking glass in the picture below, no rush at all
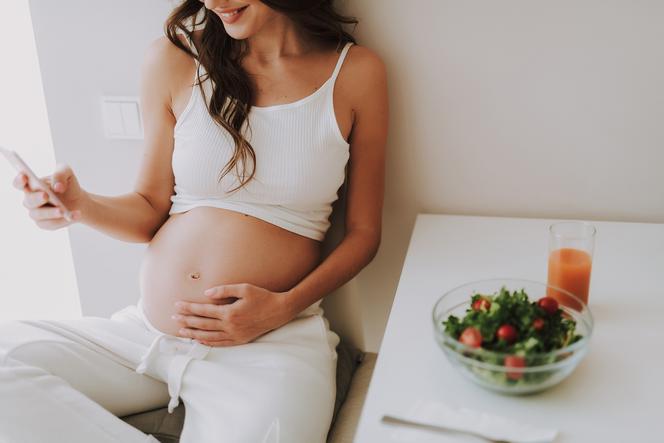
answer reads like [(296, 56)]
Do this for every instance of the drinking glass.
[(571, 247)]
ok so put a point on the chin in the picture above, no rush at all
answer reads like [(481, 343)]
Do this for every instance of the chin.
[(238, 32)]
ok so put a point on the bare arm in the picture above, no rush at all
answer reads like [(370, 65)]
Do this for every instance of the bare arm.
[(365, 187), (128, 217), (136, 216)]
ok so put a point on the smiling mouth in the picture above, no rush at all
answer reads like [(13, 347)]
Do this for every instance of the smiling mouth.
[(232, 13)]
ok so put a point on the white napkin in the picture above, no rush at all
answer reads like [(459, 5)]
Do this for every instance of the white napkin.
[(491, 426)]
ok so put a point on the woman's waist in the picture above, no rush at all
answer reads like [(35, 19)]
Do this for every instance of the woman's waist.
[(310, 221)]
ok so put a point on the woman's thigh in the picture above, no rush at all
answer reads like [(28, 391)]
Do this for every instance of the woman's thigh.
[(88, 354), (279, 388)]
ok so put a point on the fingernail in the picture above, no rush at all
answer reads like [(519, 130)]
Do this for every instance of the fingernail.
[(210, 291), (183, 331), (176, 317), (178, 304)]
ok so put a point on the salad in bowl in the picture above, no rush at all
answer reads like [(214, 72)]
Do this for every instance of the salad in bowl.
[(508, 336)]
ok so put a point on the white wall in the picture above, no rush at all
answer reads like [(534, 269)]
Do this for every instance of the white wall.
[(86, 52), (515, 108), (36, 269), (510, 108)]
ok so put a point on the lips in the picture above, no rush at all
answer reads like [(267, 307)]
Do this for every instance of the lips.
[(231, 15)]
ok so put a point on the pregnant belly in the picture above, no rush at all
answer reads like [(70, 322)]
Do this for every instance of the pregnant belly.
[(207, 247)]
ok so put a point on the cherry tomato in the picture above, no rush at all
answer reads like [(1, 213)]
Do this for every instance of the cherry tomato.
[(548, 305), (471, 337), (538, 324), (507, 333), (481, 304), (516, 362)]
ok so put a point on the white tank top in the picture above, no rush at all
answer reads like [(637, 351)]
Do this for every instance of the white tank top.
[(301, 158)]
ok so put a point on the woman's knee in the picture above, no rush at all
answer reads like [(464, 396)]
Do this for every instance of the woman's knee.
[(24, 343), (289, 422), (10, 339), (255, 428), (273, 416)]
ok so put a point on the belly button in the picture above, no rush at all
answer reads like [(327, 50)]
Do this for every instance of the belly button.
[(195, 275)]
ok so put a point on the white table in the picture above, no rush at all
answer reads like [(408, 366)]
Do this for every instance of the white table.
[(616, 394)]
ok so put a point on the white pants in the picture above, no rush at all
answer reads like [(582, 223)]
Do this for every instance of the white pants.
[(68, 381)]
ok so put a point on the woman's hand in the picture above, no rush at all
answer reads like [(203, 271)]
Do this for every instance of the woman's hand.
[(44, 213), (237, 314)]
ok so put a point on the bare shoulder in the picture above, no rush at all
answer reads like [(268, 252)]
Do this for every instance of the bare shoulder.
[(361, 56), (364, 64), (166, 63), (364, 75), (162, 54)]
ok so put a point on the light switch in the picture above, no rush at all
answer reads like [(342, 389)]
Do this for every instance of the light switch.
[(122, 117), (131, 119), (113, 119)]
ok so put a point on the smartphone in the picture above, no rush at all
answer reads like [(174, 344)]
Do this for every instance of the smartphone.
[(21, 166)]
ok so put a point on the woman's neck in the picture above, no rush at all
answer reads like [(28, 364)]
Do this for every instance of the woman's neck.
[(278, 38)]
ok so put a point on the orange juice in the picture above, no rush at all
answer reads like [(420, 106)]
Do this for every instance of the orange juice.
[(569, 269)]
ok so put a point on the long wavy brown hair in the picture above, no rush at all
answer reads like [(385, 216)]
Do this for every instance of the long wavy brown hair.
[(220, 55)]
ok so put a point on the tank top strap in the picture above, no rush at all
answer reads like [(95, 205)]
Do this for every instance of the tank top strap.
[(200, 70), (340, 62)]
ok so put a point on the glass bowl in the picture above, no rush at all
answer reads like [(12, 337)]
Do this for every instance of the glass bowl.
[(487, 368)]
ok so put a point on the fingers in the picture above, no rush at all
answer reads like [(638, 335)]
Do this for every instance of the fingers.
[(59, 187), (23, 183), (205, 323), (34, 196), (204, 335), (45, 213), (60, 177), (20, 181), (35, 199), (53, 224), (220, 343), (201, 309), (233, 291), (225, 301)]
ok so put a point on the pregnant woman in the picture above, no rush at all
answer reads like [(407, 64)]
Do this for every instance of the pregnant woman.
[(255, 113)]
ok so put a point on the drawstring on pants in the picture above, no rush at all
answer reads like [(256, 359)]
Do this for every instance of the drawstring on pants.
[(173, 345)]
